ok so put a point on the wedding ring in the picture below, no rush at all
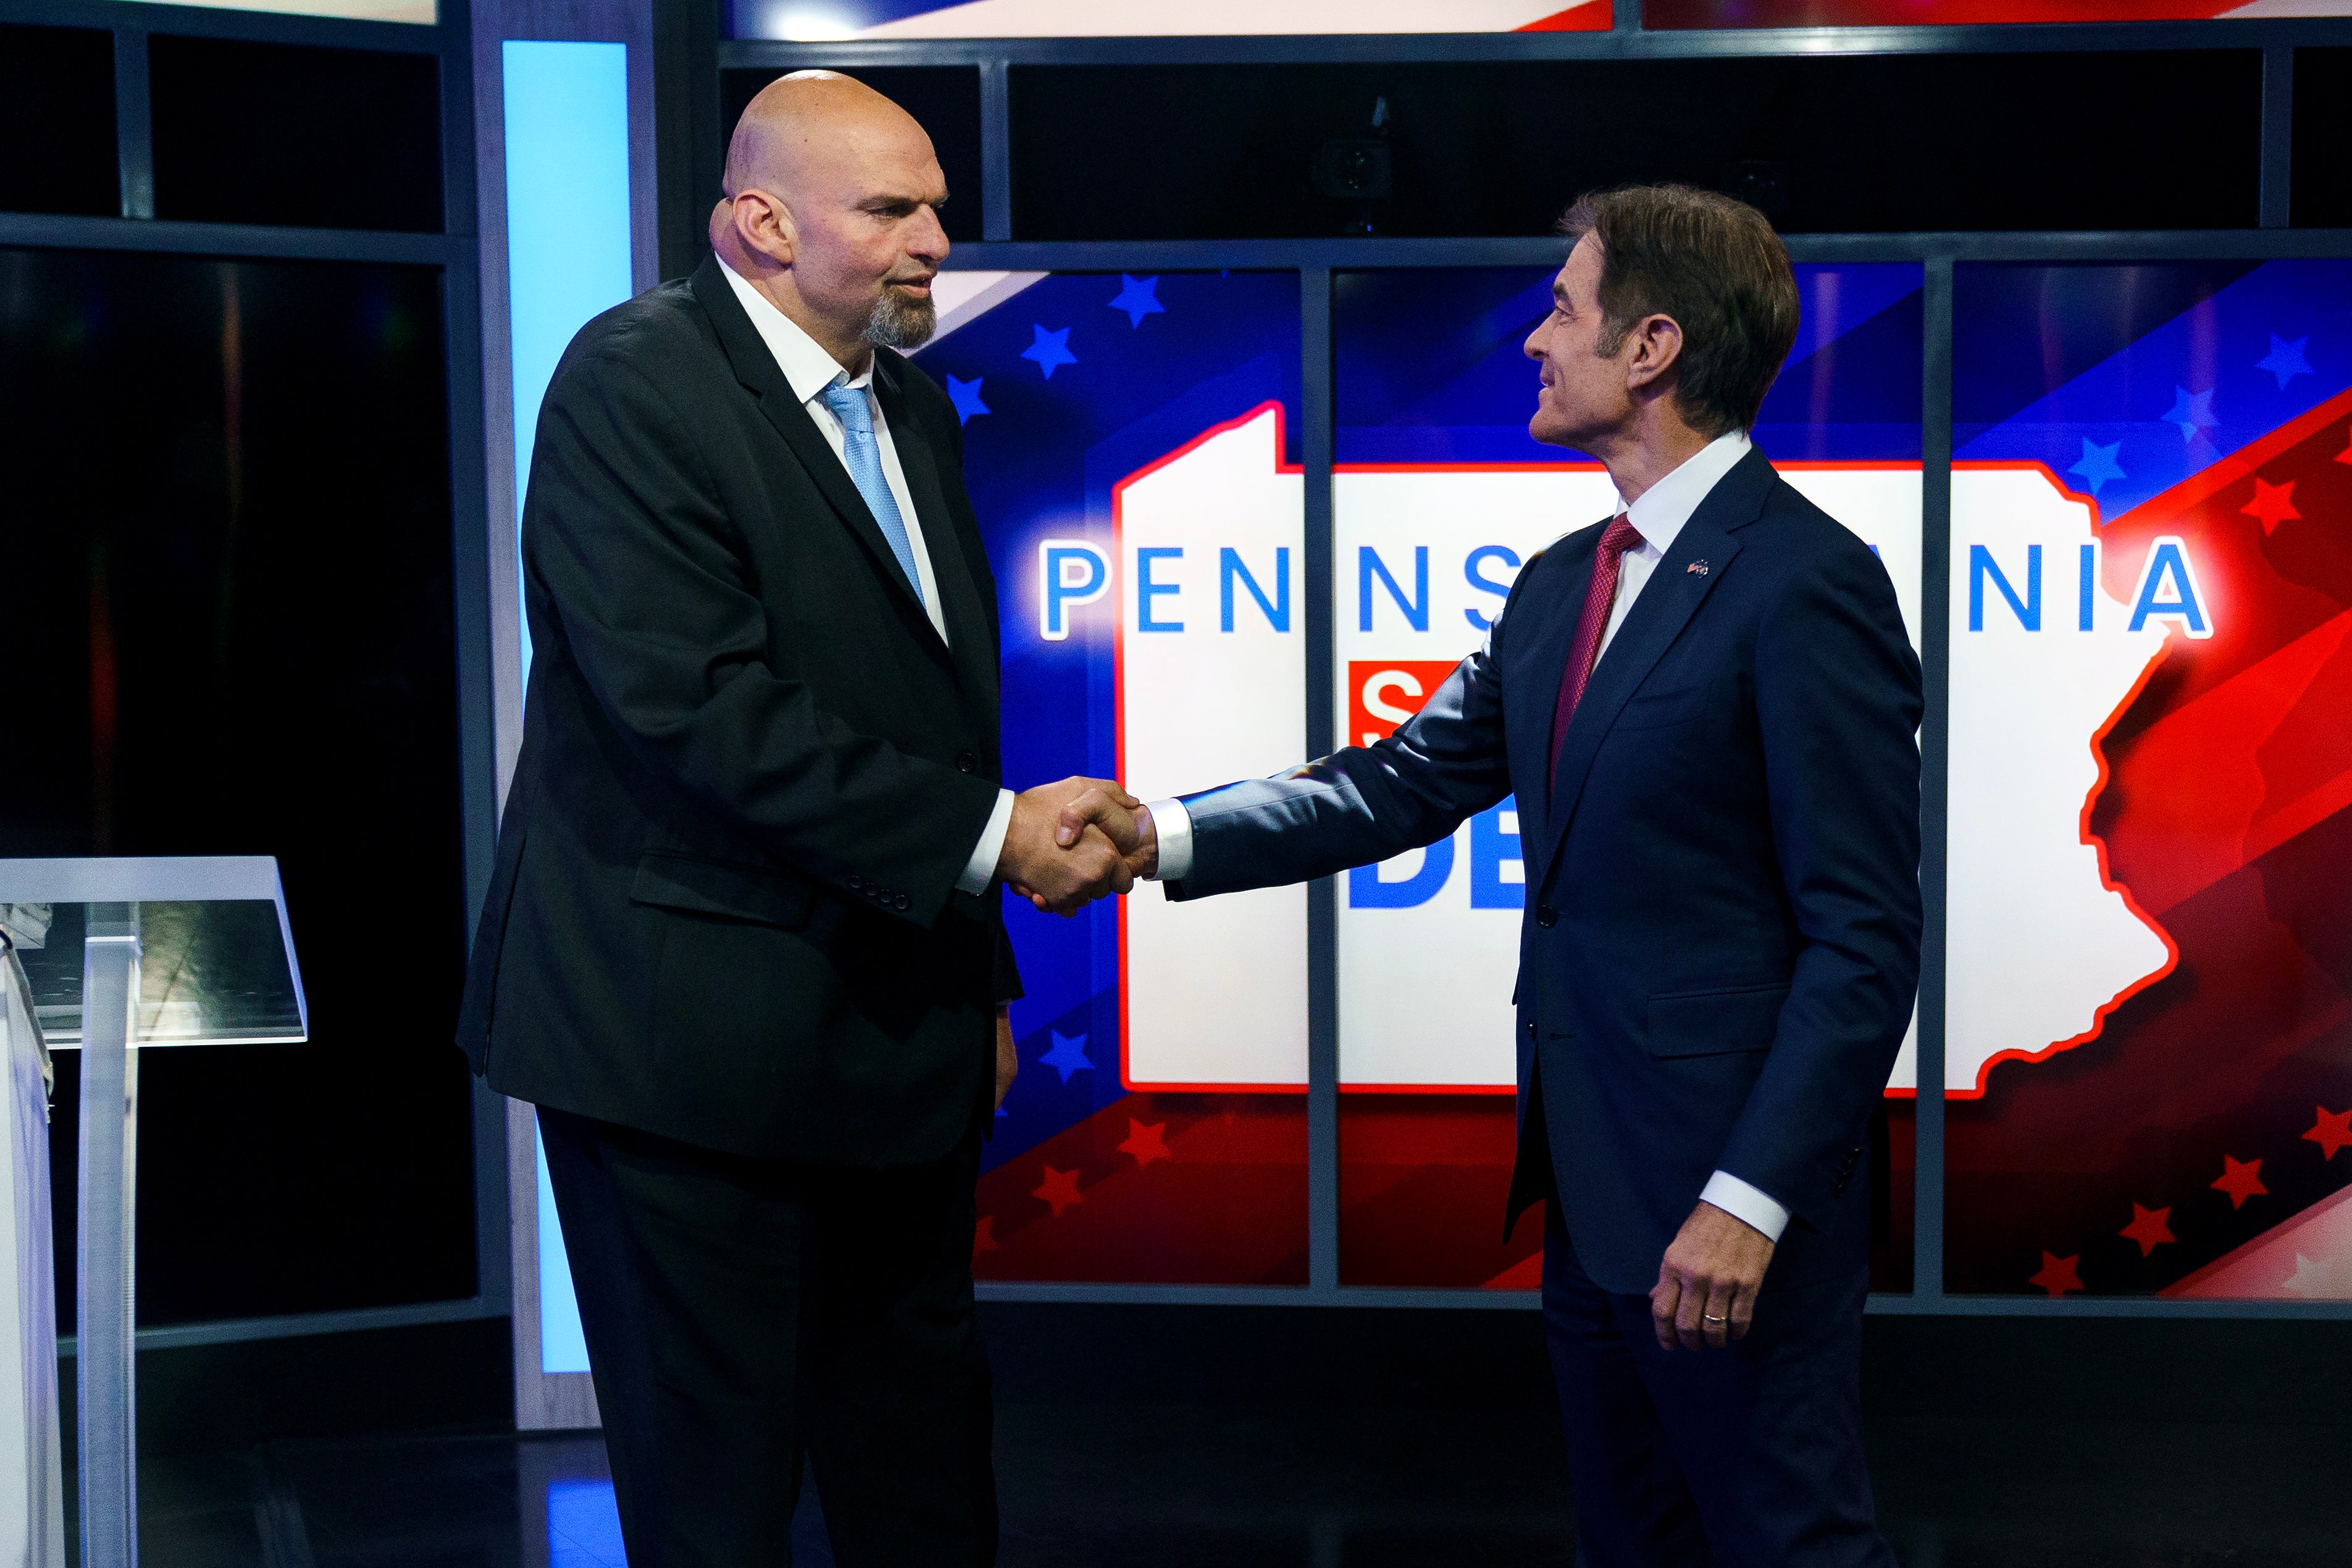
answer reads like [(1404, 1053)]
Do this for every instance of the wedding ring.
[(1711, 1318)]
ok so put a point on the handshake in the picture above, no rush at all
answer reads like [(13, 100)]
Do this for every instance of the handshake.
[(1074, 841)]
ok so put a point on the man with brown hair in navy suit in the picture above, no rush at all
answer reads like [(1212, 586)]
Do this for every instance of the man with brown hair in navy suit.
[(1707, 707)]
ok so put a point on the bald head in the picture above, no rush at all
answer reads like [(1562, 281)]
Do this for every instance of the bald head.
[(812, 126), (831, 211)]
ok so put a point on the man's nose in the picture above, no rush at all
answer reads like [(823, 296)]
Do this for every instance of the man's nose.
[(1534, 347), (931, 238)]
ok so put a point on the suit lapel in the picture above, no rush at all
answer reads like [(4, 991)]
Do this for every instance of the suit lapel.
[(1668, 600), (755, 367), (951, 574), (1551, 632)]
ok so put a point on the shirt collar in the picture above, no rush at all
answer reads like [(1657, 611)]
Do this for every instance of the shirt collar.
[(801, 357), (1659, 516)]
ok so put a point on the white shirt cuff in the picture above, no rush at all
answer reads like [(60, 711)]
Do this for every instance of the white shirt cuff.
[(981, 870), (1746, 1203), (1172, 824)]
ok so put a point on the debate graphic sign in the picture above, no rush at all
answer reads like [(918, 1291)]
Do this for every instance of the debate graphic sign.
[(2148, 1050), (1205, 565)]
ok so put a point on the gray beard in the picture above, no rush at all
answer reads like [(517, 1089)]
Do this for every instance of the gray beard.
[(899, 323)]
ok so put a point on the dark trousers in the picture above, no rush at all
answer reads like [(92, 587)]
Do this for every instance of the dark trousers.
[(741, 1314), (1748, 1456)]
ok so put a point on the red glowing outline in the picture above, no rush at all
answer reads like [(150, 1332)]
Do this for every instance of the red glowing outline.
[(2098, 845)]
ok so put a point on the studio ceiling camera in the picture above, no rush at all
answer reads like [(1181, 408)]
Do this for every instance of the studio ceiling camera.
[(1357, 169)]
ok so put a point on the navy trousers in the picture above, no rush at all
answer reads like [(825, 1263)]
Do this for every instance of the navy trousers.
[(1748, 1456)]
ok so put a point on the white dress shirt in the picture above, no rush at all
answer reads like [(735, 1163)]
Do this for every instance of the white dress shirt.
[(1658, 516), (811, 370)]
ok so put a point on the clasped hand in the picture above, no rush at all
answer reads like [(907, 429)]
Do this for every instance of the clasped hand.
[(1074, 841)]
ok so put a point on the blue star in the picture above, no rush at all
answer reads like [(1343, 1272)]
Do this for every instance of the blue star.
[(965, 395), (2098, 465), (2286, 360), (1068, 1055), (2191, 413), (1051, 348), (1139, 299)]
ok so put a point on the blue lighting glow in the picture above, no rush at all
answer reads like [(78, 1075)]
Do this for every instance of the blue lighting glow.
[(562, 1345), (568, 253), (567, 259), (584, 1526)]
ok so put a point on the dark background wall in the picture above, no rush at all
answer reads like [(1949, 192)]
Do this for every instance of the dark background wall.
[(229, 549), (1960, 141), (229, 563)]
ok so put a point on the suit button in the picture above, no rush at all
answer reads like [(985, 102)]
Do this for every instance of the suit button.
[(967, 763), (856, 884), (1547, 916), (906, 902)]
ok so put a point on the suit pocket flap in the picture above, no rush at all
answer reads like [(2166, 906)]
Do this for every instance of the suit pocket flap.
[(1657, 710), (716, 887), (1716, 1023)]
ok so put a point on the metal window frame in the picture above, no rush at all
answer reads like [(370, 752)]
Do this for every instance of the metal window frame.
[(453, 252), (1315, 260)]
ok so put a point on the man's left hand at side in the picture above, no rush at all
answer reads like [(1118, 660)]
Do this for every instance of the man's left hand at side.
[(1706, 1295)]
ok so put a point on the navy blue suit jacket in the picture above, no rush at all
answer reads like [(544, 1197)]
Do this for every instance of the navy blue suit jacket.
[(1721, 944)]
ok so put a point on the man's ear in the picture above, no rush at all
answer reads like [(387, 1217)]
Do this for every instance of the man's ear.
[(1657, 348), (765, 226)]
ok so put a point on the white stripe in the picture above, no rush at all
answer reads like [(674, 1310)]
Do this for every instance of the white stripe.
[(963, 298)]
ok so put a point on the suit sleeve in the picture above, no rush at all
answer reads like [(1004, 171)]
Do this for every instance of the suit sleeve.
[(1363, 803), (1838, 705), (643, 572)]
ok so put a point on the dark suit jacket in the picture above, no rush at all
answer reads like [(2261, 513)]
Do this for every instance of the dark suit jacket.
[(724, 908), (1721, 942)]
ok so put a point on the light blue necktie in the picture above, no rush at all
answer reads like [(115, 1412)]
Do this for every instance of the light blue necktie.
[(864, 458)]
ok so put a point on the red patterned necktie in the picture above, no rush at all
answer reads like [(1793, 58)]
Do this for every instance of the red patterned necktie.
[(1599, 598)]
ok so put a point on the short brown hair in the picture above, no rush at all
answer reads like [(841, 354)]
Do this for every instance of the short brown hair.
[(1716, 267)]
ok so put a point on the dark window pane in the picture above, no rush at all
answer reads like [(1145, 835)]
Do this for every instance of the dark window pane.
[(2323, 131), (56, 122), (233, 581), (1851, 144), (944, 100), (276, 134)]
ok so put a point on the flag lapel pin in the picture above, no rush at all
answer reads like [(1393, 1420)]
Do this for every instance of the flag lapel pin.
[(1697, 569)]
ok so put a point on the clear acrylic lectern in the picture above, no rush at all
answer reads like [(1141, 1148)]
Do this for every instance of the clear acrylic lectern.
[(114, 955)]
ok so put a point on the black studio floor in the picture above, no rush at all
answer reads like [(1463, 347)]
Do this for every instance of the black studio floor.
[(1117, 1488), (2245, 1460)]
